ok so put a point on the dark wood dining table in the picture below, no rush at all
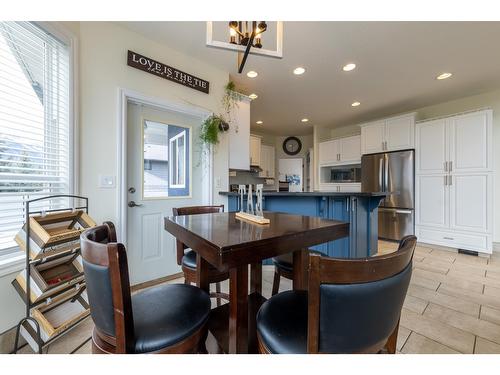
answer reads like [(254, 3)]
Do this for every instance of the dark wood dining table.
[(231, 244)]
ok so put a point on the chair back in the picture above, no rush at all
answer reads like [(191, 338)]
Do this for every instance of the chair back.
[(192, 210), (108, 286), (196, 210), (354, 305)]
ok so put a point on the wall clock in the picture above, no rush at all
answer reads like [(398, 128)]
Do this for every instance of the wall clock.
[(292, 146)]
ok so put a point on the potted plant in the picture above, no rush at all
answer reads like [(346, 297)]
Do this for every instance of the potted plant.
[(216, 124)]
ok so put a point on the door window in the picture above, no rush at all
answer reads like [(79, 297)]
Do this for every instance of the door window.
[(166, 164)]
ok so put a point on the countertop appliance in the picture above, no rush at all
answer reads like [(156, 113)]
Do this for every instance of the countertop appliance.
[(393, 173)]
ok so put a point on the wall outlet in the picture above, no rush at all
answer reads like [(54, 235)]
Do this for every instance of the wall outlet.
[(107, 181), (218, 182)]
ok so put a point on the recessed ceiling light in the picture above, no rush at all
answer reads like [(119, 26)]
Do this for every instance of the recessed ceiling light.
[(298, 71), (355, 104), (252, 74), (444, 76), (304, 120), (259, 122), (349, 67), (253, 96)]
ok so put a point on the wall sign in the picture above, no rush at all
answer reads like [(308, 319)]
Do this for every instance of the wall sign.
[(149, 65)]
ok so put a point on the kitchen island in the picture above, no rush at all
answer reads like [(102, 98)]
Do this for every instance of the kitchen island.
[(359, 209)]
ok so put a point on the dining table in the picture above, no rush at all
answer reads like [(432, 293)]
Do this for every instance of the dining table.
[(231, 244)]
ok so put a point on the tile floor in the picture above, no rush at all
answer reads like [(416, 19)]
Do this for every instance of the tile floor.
[(452, 306)]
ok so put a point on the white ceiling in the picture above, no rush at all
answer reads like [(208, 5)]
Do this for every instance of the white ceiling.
[(397, 63)]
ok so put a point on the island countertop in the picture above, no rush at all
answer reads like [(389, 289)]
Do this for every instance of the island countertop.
[(311, 194)]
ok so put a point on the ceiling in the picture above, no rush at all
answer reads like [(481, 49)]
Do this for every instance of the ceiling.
[(397, 63)]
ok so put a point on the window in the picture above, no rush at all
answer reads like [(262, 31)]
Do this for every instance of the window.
[(178, 157), (35, 132), (166, 160)]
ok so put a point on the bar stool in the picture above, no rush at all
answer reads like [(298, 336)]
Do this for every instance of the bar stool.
[(187, 260), (283, 266), (163, 319), (352, 306)]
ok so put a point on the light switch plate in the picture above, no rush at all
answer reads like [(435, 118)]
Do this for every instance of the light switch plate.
[(107, 181)]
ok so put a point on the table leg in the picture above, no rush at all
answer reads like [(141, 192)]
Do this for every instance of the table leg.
[(238, 309), (300, 269), (202, 275), (256, 278)]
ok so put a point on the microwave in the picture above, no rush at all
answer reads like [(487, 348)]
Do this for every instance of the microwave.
[(345, 174)]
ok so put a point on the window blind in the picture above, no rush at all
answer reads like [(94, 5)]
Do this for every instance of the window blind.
[(35, 134)]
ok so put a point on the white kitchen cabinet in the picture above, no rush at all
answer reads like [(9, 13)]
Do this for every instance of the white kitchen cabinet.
[(372, 137), (340, 151), (350, 150), (391, 134), (329, 152), (432, 196), (454, 182), (470, 142), (267, 162), (239, 136), (255, 147), (432, 147), (469, 198)]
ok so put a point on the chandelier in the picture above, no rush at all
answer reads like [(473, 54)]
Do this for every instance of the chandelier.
[(248, 34)]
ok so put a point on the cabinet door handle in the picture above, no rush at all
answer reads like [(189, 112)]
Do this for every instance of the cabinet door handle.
[(445, 180), (383, 148), (347, 204), (446, 166), (448, 238), (450, 181), (451, 166)]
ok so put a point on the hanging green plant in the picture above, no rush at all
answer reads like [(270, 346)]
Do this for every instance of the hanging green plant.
[(230, 98), (210, 129)]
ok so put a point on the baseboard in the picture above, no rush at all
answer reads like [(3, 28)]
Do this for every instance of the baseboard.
[(161, 280), (454, 249)]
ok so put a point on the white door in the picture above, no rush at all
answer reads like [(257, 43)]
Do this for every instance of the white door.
[(329, 152), (470, 142), (162, 162), (432, 146), (350, 149), (469, 205), (432, 200), (372, 137), (399, 133)]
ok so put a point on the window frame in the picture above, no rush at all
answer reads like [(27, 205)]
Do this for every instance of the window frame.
[(11, 260), (176, 139)]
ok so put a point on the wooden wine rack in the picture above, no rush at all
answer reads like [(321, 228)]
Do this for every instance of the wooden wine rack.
[(52, 284)]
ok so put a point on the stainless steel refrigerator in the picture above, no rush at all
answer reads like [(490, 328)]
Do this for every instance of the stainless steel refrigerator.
[(393, 173)]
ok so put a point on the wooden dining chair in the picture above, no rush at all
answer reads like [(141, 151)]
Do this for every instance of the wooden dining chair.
[(283, 267), (163, 319), (187, 259), (352, 306)]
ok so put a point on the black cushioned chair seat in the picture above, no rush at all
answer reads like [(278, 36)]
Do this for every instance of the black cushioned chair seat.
[(282, 323), (167, 314), (189, 260), (285, 261)]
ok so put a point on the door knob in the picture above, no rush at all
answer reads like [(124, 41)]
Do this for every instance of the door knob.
[(133, 204), (131, 190)]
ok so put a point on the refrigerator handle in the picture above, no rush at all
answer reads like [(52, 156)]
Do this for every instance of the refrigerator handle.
[(380, 174), (386, 172)]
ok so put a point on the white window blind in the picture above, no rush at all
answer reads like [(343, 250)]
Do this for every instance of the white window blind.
[(35, 134)]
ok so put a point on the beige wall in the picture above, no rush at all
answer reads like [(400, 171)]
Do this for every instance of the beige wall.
[(468, 103), (103, 70)]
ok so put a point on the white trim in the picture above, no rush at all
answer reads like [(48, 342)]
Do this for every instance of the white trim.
[(171, 166), (124, 96), (12, 263), (278, 54)]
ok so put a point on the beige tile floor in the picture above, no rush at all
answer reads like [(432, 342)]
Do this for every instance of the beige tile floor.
[(452, 306)]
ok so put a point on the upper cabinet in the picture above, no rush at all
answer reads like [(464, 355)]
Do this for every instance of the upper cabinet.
[(255, 150), (391, 134), (460, 144), (239, 136), (340, 151), (267, 161)]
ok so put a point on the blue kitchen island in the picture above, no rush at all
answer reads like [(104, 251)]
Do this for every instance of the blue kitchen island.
[(360, 210)]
